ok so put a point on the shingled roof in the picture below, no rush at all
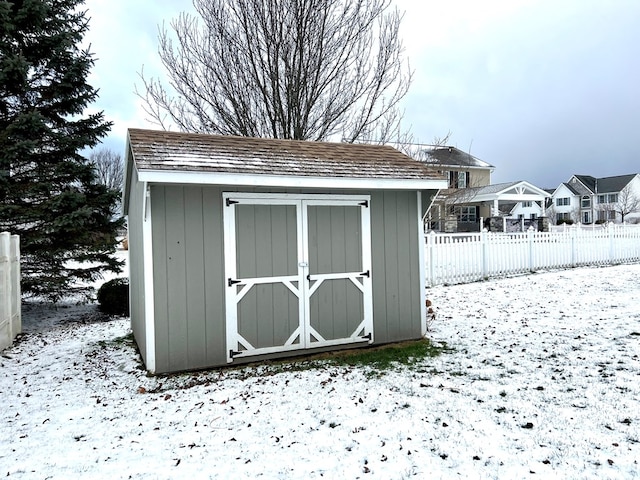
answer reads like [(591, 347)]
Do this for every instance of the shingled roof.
[(446, 156), (161, 151), (605, 184)]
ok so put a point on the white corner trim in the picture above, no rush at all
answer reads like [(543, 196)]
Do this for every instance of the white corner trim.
[(422, 268), (147, 259)]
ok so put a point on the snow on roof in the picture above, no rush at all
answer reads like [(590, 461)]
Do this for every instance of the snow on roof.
[(494, 188), (188, 152)]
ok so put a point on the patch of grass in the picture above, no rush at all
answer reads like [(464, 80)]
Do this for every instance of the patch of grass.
[(118, 341), (375, 361), (387, 357)]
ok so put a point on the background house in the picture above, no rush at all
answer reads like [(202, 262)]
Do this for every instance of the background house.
[(526, 209), (586, 199), (470, 196), (463, 172)]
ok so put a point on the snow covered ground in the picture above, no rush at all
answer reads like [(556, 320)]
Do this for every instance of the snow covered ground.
[(543, 382)]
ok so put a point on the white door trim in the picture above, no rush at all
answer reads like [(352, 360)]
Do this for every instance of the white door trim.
[(306, 286)]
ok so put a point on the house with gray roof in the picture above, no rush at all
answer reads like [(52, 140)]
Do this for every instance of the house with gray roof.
[(587, 199), (470, 196), (462, 169)]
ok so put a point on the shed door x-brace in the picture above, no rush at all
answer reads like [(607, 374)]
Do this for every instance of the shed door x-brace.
[(297, 272)]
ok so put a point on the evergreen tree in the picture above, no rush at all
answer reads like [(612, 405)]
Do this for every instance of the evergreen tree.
[(49, 194)]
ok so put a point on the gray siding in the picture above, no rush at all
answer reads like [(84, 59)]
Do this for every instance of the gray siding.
[(189, 277), (136, 267), (395, 276)]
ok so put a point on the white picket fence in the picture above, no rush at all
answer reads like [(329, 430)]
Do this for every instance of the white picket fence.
[(10, 309), (462, 258)]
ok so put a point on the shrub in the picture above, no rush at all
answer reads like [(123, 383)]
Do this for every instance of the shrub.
[(113, 297), (568, 221)]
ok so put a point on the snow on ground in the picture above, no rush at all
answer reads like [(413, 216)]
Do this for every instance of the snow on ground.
[(543, 382)]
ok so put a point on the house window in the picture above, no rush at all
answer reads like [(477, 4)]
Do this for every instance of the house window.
[(533, 216), (466, 214), (607, 215), (526, 204), (458, 179), (462, 180), (586, 202), (608, 198), (560, 202), (563, 216)]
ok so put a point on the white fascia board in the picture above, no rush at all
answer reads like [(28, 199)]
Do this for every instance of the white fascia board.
[(522, 197), (514, 197), (462, 168), (209, 178), (531, 190)]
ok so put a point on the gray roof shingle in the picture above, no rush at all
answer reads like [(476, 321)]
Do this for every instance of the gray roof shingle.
[(451, 157), (189, 152), (605, 184)]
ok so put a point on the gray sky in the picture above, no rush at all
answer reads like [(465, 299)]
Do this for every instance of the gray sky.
[(541, 89)]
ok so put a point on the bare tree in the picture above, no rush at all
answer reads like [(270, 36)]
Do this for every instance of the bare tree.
[(409, 145), (298, 69), (109, 167), (628, 202), (606, 212)]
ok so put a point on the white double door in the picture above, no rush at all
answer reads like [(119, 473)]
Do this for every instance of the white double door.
[(297, 272)]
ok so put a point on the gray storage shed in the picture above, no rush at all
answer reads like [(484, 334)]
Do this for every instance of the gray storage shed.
[(244, 248)]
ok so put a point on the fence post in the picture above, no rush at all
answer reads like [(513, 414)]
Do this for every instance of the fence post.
[(431, 238), (6, 335), (16, 305), (483, 242), (572, 235), (10, 307), (610, 231), (530, 241)]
